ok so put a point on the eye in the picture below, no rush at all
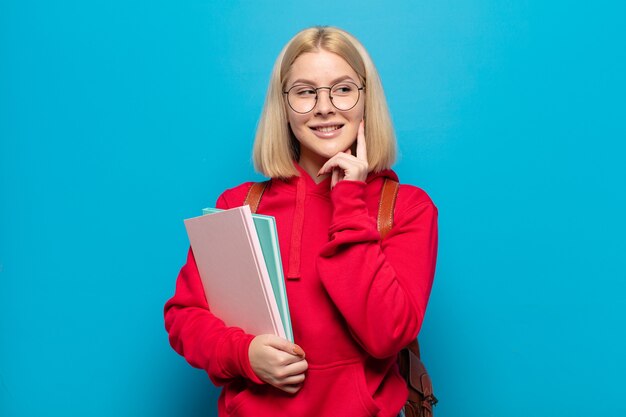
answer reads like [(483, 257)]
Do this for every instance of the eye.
[(304, 91), (343, 88)]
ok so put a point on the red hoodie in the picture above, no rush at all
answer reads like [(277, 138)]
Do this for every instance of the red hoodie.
[(355, 301)]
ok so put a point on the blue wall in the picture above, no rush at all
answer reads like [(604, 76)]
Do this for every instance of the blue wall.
[(120, 118)]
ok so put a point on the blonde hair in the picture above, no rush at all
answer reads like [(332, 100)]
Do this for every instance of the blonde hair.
[(275, 147)]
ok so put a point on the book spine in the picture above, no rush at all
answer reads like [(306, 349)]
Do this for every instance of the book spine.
[(277, 323)]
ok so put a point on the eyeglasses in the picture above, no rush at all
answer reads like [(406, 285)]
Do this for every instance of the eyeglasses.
[(343, 95)]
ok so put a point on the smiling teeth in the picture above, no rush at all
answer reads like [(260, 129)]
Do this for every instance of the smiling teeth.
[(326, 129)]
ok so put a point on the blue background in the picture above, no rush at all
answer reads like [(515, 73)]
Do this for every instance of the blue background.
[(120, 118)]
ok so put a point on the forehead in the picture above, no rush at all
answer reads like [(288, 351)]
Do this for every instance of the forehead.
[(321, 68)]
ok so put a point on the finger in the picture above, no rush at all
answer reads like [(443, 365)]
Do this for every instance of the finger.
[(328, 166), (349, 167), (291, 389), (296, 368), (293, 380), (342, 160), (298, 351), (285, 346), (292, 370), (361, 150), (288, 374), (335, 178)]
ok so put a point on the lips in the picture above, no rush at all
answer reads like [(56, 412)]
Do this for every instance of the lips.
[(327, 128), (327, 131)]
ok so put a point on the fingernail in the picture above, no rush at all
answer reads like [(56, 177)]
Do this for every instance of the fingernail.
[(297, 350)]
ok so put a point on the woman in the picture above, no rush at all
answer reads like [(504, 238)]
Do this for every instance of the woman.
[(326, 140)]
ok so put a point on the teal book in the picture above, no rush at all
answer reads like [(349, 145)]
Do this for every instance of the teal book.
[(268, 238)]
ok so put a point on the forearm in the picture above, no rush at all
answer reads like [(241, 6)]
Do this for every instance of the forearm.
[(381, 288), (200, 337)]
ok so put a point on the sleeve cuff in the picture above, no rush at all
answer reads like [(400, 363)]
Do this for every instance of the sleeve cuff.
[(348, 198), (235, 358)]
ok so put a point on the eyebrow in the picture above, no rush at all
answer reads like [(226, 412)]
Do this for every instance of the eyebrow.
[(333, 82)]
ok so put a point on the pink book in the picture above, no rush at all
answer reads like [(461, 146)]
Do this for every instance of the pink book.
[(233, 272)]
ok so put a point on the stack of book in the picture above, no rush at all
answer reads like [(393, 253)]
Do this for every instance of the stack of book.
[(238, 259)]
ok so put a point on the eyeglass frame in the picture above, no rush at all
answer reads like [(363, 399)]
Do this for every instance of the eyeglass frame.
[(330, 96)]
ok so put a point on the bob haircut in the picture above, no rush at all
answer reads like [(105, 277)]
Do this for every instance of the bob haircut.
[(276, 148)]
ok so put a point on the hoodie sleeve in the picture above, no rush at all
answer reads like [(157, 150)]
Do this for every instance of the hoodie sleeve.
[(380, 287), (199, 336)]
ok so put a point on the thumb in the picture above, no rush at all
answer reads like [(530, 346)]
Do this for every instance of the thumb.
[(286, 346), (298, 351)]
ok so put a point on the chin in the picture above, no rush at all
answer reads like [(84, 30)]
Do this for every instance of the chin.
[(325, 148), (332, 150)]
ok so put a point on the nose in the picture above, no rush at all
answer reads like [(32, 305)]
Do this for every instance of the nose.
[(324, 105)]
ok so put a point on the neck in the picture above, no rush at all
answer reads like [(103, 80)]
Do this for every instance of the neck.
[(312, 166)]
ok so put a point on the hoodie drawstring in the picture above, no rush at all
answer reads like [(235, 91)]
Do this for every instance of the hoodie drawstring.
[(296, 231)]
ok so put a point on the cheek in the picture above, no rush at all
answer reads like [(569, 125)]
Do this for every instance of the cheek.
[(352, 130), (361, 112), (357, 116), (297, 125)]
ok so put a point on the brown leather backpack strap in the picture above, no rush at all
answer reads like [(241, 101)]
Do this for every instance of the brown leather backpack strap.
[(414, 347), (386, 205), (254, 195)]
